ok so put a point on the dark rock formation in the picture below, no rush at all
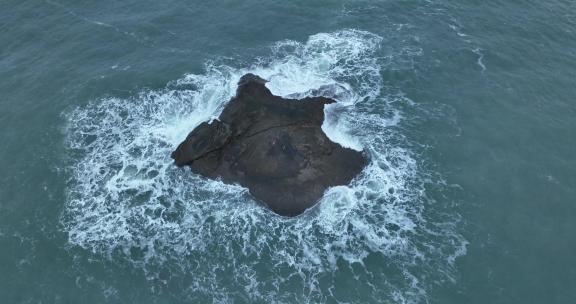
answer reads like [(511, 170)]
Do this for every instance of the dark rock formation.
[(273, 146)]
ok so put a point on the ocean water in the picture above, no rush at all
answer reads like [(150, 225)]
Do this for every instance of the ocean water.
[(467, 111)]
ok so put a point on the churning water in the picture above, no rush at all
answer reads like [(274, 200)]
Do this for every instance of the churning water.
[(127, 200)]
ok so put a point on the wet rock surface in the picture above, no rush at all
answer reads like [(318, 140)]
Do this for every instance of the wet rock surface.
[(273, 146)]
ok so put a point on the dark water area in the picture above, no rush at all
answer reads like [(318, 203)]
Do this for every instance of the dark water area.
[(466, 109)]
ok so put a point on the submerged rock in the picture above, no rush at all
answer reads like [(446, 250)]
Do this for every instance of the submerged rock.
[(273, 146)]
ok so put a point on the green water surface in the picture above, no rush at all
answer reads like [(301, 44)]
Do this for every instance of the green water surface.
[(493, 86)]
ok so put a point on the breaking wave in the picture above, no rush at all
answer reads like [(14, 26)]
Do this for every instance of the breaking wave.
[(126, 200)]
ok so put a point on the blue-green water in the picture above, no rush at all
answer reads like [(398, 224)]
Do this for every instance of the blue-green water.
[(467, 110)]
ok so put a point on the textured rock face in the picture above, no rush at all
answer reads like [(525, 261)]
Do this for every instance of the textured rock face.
[(275, 147)]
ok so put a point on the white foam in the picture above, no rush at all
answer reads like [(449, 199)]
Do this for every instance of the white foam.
[(126, 197), (478, 51)]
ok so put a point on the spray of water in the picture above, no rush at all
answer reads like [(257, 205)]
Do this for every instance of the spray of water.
[(126, 199)]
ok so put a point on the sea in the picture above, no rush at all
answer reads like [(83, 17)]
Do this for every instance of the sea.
[(466, 110)]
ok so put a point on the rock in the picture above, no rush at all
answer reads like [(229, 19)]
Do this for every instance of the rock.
[(273, 146)]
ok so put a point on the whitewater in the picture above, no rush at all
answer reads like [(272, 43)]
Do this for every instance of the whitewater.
[(127, 202)]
